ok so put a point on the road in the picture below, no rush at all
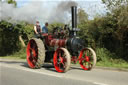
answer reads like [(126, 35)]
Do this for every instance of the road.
[(18, 73)]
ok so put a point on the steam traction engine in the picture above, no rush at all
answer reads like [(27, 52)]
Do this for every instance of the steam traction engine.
[(60, 50)]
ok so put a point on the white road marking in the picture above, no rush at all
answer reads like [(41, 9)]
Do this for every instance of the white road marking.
[(32, 70), (99, 83)]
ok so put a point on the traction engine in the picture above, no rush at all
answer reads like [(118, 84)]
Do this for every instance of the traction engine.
[(60, 48)]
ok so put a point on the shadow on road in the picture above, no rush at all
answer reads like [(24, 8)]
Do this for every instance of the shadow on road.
[(13, 62), (75, 67), (50, 67), (47, 66), (21, 63)]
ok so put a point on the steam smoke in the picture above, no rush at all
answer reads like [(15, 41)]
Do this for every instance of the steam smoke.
[(36, 11), (62, 11)]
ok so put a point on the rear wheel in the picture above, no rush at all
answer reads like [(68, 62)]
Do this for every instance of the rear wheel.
[(62, 60), (35, 53), (87, 58)]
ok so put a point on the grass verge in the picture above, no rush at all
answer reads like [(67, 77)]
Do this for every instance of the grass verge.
[(113, 64), (107, 59)]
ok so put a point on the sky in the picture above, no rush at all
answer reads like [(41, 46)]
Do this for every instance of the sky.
[(49, 10), (92, 7)]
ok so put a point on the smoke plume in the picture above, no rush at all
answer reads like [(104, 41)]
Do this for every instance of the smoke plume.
[(62, 12), (36, 11)]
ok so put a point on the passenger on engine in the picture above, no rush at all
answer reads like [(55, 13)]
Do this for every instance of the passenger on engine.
[(37, 28), (45, 28)]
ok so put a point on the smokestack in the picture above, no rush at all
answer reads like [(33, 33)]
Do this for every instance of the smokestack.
[(74, 17)]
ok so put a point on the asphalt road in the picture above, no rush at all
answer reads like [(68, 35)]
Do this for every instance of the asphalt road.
[(18, 73)]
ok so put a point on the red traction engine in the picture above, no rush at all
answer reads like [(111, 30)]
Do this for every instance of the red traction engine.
[(60, 50)]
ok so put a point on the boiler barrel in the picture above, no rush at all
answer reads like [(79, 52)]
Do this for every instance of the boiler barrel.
[(58, 42)]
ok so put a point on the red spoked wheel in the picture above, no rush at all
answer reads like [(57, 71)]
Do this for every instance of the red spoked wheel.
[(62, 60), (35, 53), (87, 58)]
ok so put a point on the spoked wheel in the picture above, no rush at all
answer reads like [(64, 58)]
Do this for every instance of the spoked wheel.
[(62, 60), (35, 53), (87, 58)]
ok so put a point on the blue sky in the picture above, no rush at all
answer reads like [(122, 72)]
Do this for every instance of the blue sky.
[(23, 2), (51, 10), (92, 7)]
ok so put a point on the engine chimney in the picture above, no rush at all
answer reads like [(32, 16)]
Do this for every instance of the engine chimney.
[(74, 16), (74, 19)]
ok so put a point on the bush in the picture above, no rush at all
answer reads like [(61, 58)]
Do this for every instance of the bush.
[(21, 54), (11, 35), (104, 55)]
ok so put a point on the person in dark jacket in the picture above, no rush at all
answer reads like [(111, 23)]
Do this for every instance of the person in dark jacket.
[(37, 28)]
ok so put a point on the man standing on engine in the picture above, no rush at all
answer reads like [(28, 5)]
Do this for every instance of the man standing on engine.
[(45, 28), (37, 28)]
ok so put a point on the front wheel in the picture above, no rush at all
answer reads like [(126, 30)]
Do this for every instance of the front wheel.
[(87, 58), (61, 60)]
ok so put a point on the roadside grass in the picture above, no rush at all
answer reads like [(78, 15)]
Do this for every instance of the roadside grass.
[(104, 59), (122, 64)]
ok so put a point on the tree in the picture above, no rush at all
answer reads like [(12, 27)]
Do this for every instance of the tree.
[(9, 38), (14, 36), (12, 2), (82, 16), (114, 4), (118, 13)]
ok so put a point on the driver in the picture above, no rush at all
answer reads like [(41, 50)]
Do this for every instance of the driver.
[(37, 28)]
